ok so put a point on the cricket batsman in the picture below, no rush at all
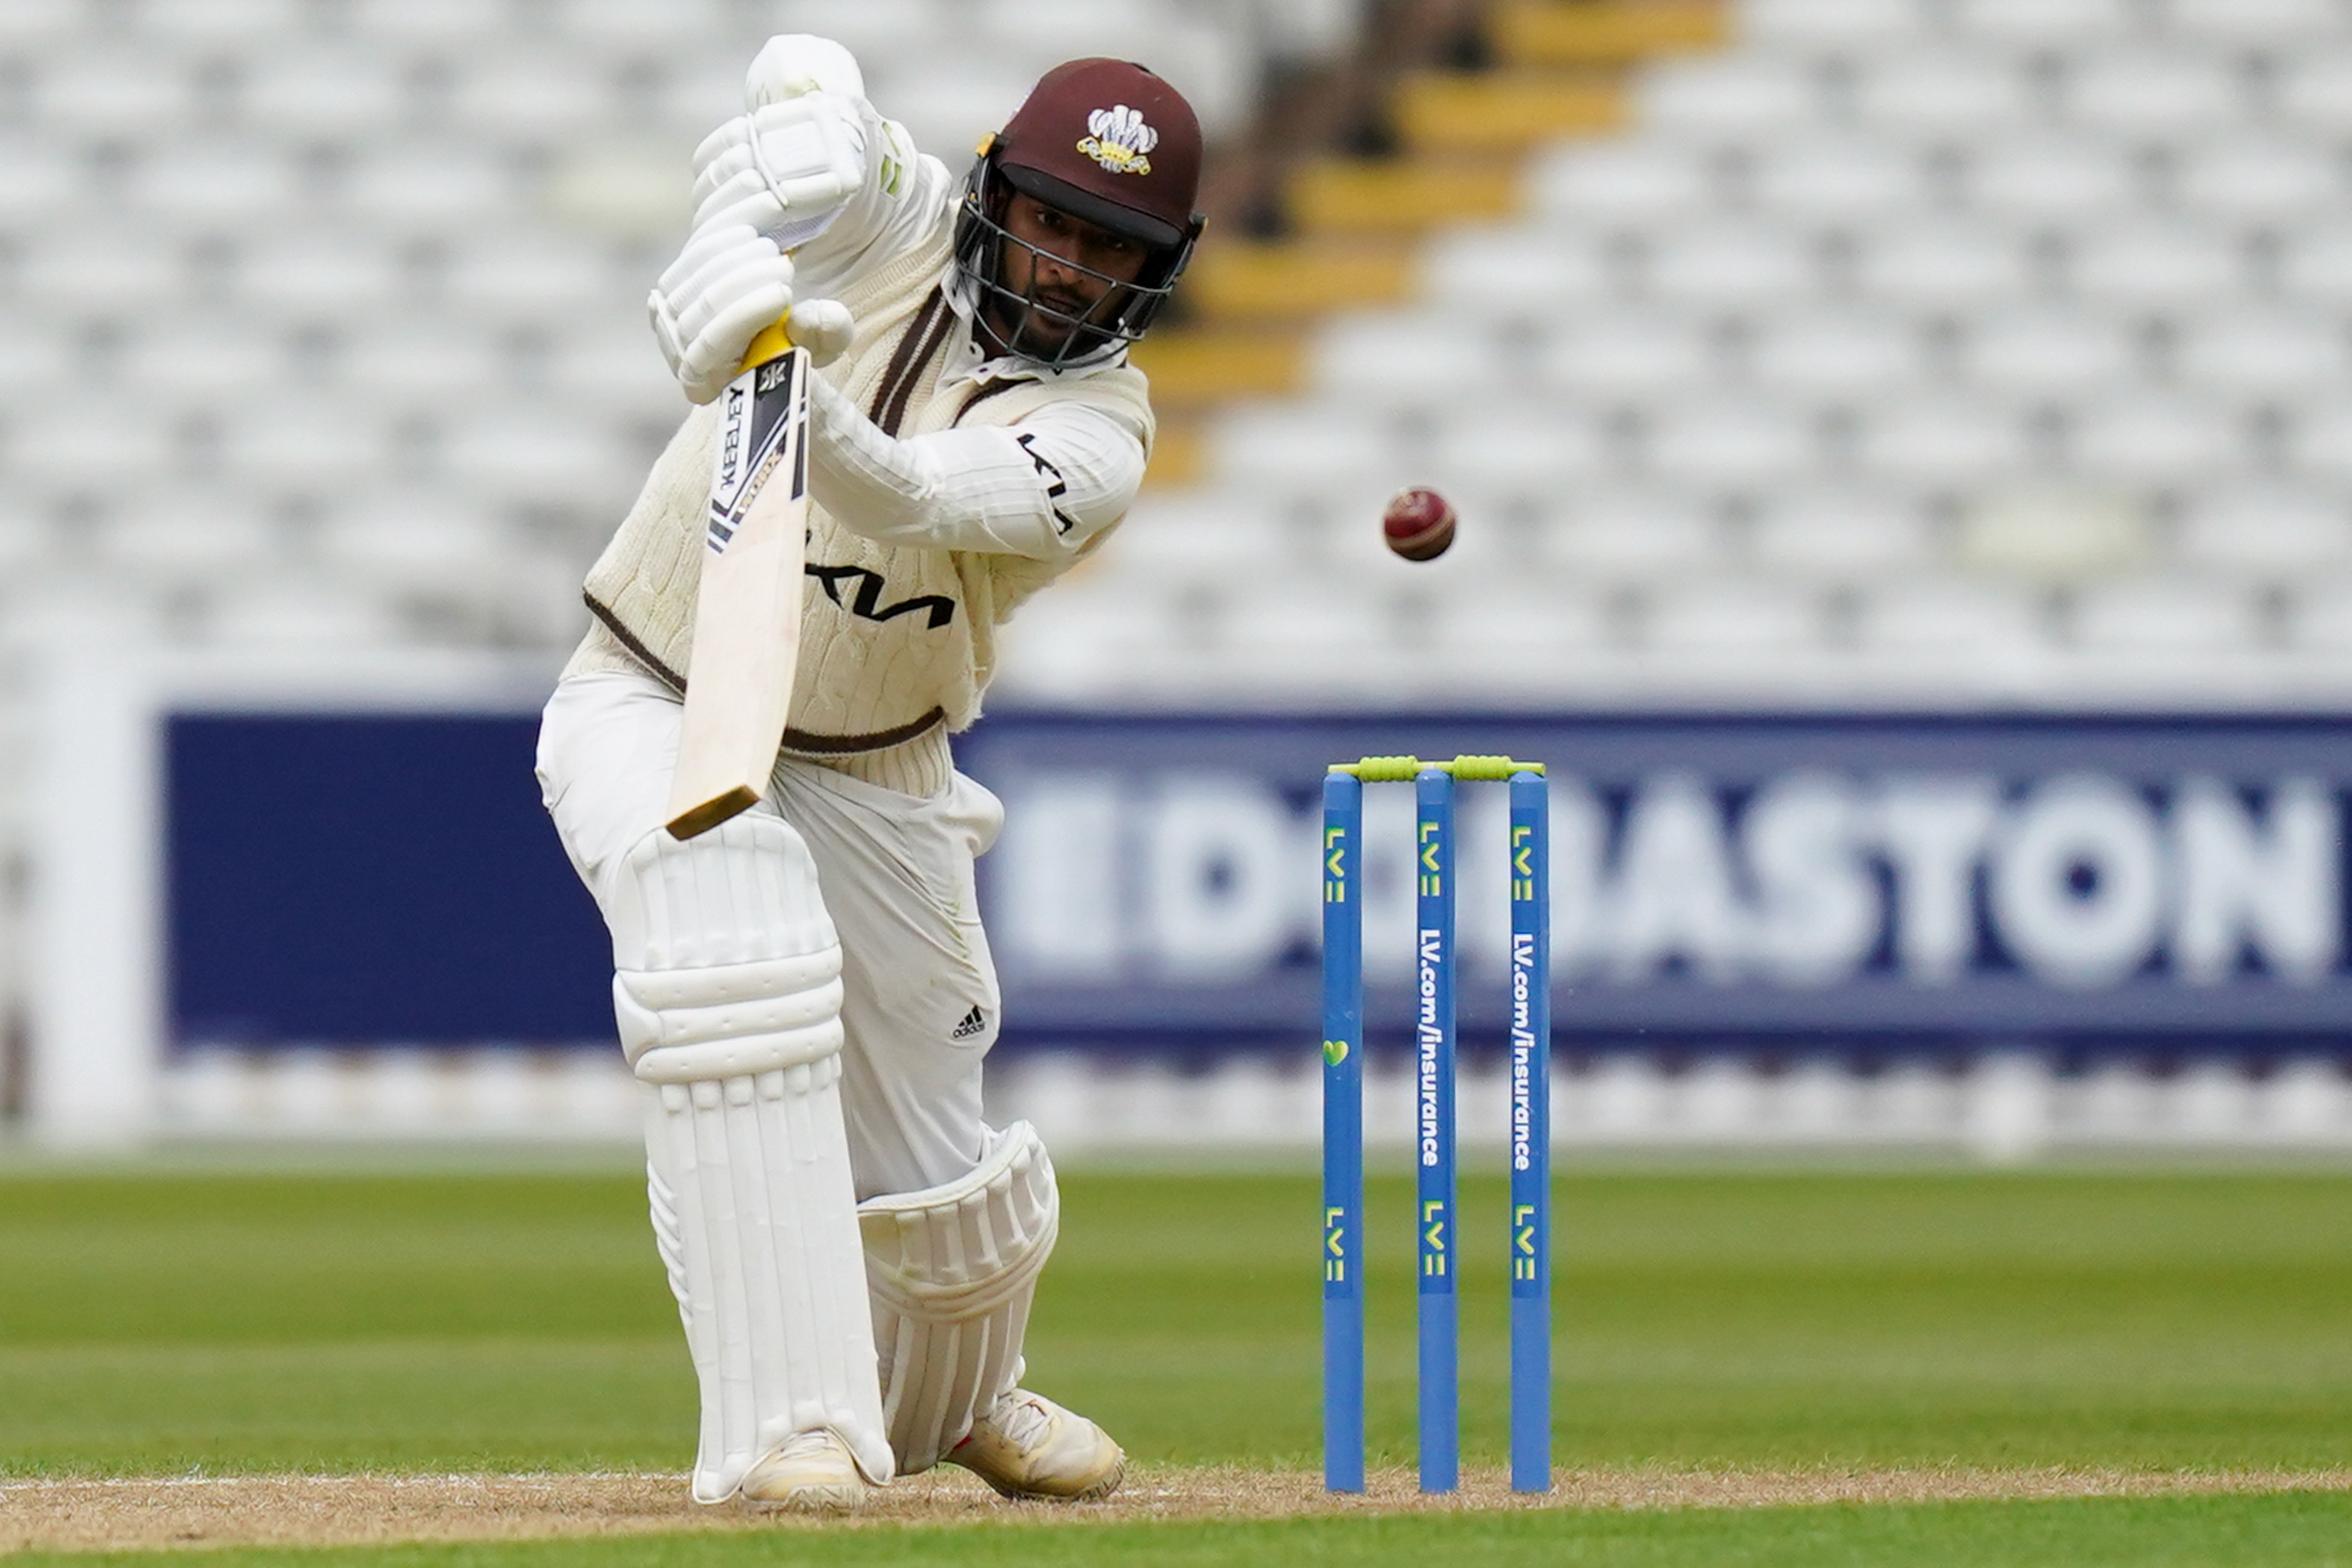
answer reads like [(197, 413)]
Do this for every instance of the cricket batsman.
[(807, 990)]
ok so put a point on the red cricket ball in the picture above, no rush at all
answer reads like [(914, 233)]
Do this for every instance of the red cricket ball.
[(1418, 524)]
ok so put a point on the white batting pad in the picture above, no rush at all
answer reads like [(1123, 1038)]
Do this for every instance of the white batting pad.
[(727, 994), (953, 1269)]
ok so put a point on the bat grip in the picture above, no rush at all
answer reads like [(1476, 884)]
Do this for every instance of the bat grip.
[(772, 341)]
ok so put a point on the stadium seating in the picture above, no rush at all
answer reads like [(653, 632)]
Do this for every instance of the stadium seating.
[(1895, 342), (1898, 340)]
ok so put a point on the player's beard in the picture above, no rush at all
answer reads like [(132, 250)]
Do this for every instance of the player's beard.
[(1054, 315)]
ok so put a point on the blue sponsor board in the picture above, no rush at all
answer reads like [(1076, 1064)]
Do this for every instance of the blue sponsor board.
[(1754, 881), (1773, 882), (369, 880)]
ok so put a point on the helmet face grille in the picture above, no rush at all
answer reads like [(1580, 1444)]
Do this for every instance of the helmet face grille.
[(1017, 322)]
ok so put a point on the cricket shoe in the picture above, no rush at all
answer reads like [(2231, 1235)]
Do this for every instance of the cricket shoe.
[(1029, 1447), (808, 1472)]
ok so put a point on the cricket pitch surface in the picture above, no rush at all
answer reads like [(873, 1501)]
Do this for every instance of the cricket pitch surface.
[(338, 1511)]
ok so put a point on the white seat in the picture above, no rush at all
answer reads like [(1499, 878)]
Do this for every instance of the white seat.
[(39, 355), (304, 611), (1327, 627), (1942, 441), (2158, 265), (2045, 176), (41, 181), (2165, 615), (33, 23), (1197, 531), (2270, 354), (1732, 263), (1071, 27), (2051, 530), (119, 91), (1516, 273), (1733, 615), (209, 354), (427, 22), (1842, 533), (2261, 177), (2313, 88), (657, 27), (1946, 90), (1642, 179), (102, 269), (341, 273), (507, 451), (1836, 177), (947, 106), (2319, 439), (1739, 94), (2043, 23), (217, 22), (2155, 92), (542, 276), (1614, 355), (1948, 264), (2319, 615), (426, 186), (1402, 358), (1836, 24), (1948, 616), (543, 92), (419, 362), (1610, 534), (2048, 349), (2286, 530), (302, 443), (870, 29), (423, 540), (2316, 262), (1510, 629), (1096, 638), (315, 89), (1285, 448), (2261, 23), (28, 535), (2161, 439), (613, 360), (234, 185), (1837, 353), (1732, 442), (1515, 445), (180, 534), (78, 441), (698, 94)]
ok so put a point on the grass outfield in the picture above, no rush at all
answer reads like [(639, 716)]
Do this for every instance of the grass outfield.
[(185, 1320)]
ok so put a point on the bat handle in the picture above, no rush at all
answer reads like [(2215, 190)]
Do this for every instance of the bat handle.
[(772, 341)]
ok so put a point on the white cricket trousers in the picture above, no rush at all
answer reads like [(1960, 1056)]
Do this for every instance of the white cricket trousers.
[(918, 988)]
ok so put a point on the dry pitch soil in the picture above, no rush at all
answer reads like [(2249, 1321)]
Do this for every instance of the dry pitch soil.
[(320, 1510)]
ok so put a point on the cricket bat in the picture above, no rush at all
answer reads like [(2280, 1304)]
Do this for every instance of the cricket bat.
[(747, 617)]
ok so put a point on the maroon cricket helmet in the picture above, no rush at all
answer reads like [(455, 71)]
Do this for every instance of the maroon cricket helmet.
[(1105, 142)]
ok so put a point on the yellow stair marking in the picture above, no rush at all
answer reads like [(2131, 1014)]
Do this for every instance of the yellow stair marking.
[(1505, 112), (1546, 33), (1404, 195), (1210, 365), (1254, 280)]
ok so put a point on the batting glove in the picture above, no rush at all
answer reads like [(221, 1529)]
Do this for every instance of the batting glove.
[(785, 169), (729, 282)]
